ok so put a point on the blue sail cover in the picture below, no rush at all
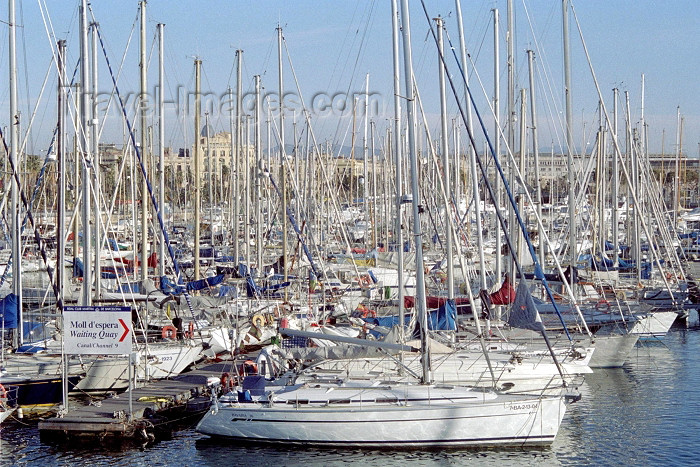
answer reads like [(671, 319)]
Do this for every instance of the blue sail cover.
[(77, 268), (523, 312), (9, 309), (169, 287), (205, 283), (444, 318)]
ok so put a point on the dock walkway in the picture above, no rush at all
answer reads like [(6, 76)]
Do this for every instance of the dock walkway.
[(155, 407)]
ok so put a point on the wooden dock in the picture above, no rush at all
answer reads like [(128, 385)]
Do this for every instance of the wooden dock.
[(156, 409)]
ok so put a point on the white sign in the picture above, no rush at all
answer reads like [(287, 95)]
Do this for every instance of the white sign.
[(101, 330)]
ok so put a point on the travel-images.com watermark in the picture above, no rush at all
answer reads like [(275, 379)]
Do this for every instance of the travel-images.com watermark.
[(320, 104)]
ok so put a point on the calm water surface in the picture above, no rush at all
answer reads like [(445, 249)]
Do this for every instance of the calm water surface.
[(645, 413)]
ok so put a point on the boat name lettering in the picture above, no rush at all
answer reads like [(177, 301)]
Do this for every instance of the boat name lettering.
[(524, 406)]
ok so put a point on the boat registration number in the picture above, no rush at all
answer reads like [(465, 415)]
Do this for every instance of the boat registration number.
[(533, 406)]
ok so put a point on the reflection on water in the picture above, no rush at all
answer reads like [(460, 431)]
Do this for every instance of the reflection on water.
[(635, 415)]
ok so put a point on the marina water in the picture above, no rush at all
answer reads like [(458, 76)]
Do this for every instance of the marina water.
[(642, 414)]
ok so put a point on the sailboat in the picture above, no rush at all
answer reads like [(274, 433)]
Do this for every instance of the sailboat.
[(377, 412)]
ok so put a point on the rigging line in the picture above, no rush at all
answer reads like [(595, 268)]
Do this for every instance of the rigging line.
[(142, 166), (35, 192), (266, 60), (617, 147), (539, 273), (26, 78), (37, 236), (307, 118), (23, 145), (363, 37), (290, 214), (119, 71), (50, 34), (342, 43), (557, 114)]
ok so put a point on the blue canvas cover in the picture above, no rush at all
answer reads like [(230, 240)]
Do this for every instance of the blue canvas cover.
[(9, 309), (444, 318)]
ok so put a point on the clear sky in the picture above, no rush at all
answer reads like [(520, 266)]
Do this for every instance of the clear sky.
[(333, 45)]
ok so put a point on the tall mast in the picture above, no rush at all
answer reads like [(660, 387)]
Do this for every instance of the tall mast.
[(398, 160), (197, 162), (536, 151), (615, 188), (144, 151), (497, 139), (259, 165), (61, 150), (283, 175), (634, 173), (14, 157), (161, 142), (246, 190), (523, 151), (569, 137), (445, 162), (677, 173), (365, 153), (470, 151), (232, 165), (510, 46), (417, 233), (84, 146), (510, 126), (374, 186), (237, 156), (95, 145), (210, 181), (61, 207)]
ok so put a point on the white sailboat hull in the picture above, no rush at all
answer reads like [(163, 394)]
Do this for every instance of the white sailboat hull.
[(411, 417)]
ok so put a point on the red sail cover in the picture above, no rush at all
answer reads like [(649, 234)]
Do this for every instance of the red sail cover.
[(505, 295)]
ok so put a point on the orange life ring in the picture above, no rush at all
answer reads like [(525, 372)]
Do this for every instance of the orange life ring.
[(190, 330), (603, 305), (168, 332), (226, 381), (366, 312), (365, 281), (3, 392)]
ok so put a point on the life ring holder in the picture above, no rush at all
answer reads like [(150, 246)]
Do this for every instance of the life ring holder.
[(258, 321), (168, 332)]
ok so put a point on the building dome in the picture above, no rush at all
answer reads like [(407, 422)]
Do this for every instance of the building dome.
[(207, 130)]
